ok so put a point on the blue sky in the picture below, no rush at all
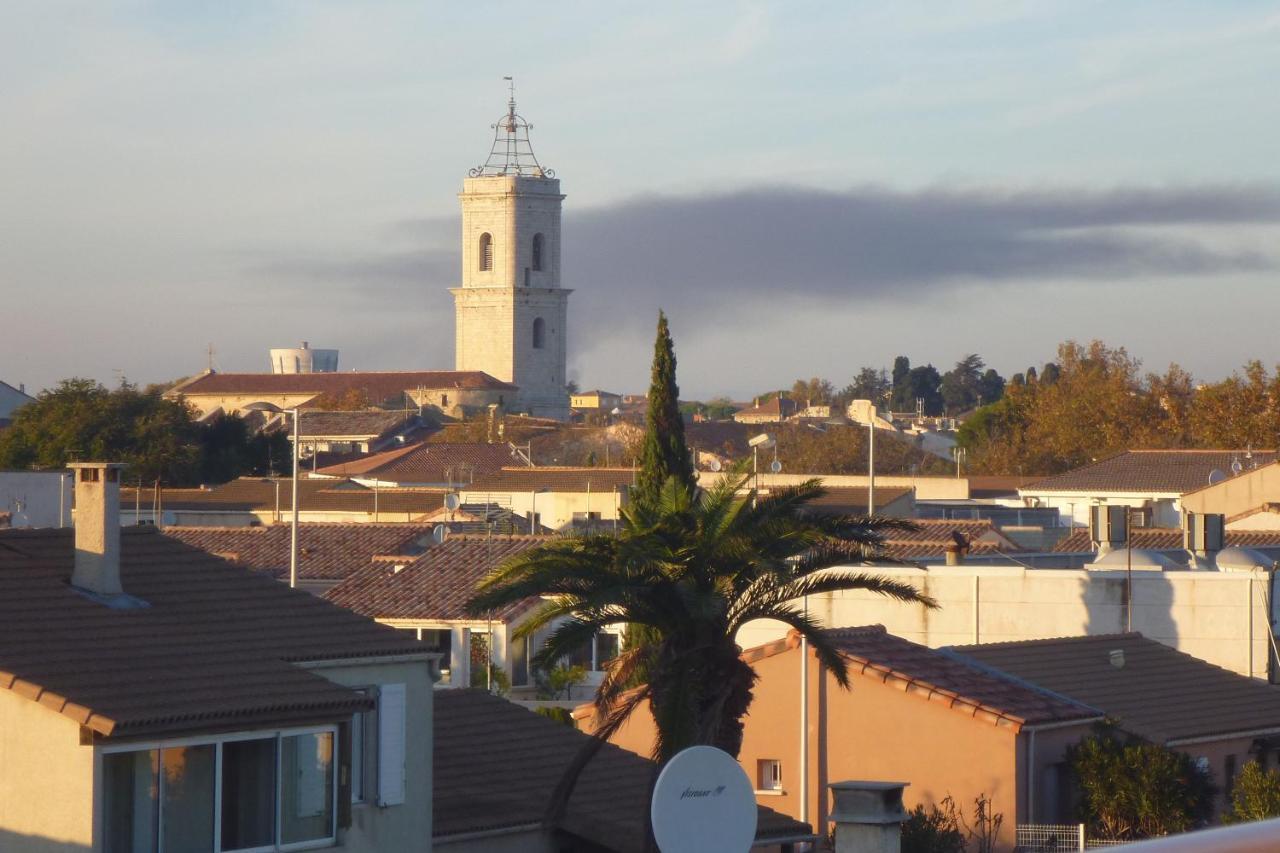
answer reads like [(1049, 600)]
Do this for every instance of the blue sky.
[(805, 187)]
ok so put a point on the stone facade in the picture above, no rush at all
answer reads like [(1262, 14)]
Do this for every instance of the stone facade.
[(511, 313)]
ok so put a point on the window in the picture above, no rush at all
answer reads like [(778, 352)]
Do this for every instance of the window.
[(768, 774), (518, 652), (606, 648), (537, 253), (526, 276), (364, 739), (539, 333), (486, 252), (444, 399), (268, 791)]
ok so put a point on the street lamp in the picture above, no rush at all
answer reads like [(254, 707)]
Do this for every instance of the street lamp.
[(755, 443)]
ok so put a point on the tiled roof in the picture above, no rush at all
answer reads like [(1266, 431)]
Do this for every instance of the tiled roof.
[(372, 423), (852, 500), (496, 764), (778, 406), (435, 585), (512, 479), (259, 494), (1160, 471), (326, 552), (995, 486), (875, 653), (1159, 693), (935, 534), (428, 462), (379, 385), (1168, 539), (212, 650)]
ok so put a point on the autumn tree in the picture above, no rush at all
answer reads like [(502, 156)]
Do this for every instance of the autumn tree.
[(1240, 411)]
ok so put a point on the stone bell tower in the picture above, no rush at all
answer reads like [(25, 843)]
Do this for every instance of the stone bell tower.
[(511, 312)]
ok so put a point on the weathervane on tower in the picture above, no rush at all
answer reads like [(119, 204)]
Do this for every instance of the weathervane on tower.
[(511, 153)]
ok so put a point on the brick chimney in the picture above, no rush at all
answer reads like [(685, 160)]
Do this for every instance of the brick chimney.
[(97, 526)]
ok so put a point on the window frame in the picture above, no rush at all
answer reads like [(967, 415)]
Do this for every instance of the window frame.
[(539, 333), (538, 250), (485, 260), (216, 741), (774, 785)]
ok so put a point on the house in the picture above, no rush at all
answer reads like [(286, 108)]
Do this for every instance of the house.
[(36, 498), (366, 431), (772, 411), (445, 465), (893, 502), (454, 393), (1151, 481), (497, 764), (253, 501), (947, 726), (1171, 540), (11, 399), (556, 497), (327, 553), (1220, 718), (155, 697), (427, 594), (595, 401), (1249, 500)]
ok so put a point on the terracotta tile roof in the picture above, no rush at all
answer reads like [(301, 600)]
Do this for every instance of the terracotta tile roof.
[(326, 552), (369, 424), (775, 406), (554, 479), (496, 764), (997, 698), (434, 586), (935, 534), (428, 462), (1159, 693), (379, 386), (1160, 471), (1168, 539), (249, 494), (213, 650), (995, 486), (852, 500)]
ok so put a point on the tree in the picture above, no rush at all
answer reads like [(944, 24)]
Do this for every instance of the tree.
[(919, 383), (959, 386), (1239, 411), (664, 453), (869, 384), (1255, 796), (815, 391), (1131, 789), (692, 569)]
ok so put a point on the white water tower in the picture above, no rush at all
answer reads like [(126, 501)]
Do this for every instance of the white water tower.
[(304, 359)]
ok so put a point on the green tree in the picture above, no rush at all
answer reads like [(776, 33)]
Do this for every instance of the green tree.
[(960, 385), (1131, 789), (664, 453), (869, 384), (692, 569), (1255, 795)]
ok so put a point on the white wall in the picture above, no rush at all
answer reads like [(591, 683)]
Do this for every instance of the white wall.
[(1219, 617), (39, 494)]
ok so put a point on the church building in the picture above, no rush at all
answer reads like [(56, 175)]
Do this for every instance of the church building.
[(510, 311)]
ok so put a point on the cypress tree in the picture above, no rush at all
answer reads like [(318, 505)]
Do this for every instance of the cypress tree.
[(665, 453)]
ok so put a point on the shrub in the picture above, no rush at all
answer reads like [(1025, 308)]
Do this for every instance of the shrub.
[(1256, 795)]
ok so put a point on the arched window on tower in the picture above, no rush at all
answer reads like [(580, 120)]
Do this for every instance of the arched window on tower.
[(486, 251), (539, 333), (537, 253)]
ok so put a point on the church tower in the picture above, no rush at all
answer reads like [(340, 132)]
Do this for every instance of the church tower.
[(511, 312)]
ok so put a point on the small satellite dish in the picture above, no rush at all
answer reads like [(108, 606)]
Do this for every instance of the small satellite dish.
[(703, 803), (452, 501), (439, 533), (775, 466), (714, 464), (616, 411), (1236, 467), (1217, 475)]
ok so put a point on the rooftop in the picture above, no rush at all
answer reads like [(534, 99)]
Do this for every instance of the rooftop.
[(216, 647), (1159, 471), (1078, 541), (258, 494), (1158, 693), (428, 462), (1003, 700), (378, 386), (435, 585), (326, 552), (479, 738), (554, 479), (371, 423)]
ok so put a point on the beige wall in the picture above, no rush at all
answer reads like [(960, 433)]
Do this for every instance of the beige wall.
[(927, 488), (1219, 617), (1238, 494), (46, 780)]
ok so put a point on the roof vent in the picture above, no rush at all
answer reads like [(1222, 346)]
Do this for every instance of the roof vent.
[(1108, 527), (1117, 658)]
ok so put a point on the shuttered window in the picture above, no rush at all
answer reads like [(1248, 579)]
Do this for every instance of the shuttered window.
[(486, 251), (391, 744)]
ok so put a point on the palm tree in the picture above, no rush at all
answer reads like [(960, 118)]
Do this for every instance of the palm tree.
[(693, 568)]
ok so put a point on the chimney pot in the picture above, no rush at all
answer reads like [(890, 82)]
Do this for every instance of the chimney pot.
[(97, 527), (868, 816)]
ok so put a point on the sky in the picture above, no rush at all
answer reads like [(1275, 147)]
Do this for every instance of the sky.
[(805, 188)]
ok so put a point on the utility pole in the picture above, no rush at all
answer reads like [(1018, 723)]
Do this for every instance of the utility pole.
[(293, 528)]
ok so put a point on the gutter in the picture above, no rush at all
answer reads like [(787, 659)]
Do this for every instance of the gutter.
[(486, 833), (1188, 741)]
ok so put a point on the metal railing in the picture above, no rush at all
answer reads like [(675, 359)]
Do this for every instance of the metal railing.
[(1050, 838)]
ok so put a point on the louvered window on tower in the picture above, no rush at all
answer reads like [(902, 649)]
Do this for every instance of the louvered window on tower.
[(539, 333), (537, 253), (486, 252)]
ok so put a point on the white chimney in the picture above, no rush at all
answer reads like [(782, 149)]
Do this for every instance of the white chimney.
[(97, 520), (868, 816)]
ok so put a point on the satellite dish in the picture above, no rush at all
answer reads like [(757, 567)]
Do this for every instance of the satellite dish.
[(703, 803), (1217, 475), (775, 466), (1236, 467), (439, 533), (714, 464), (452, 501)]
